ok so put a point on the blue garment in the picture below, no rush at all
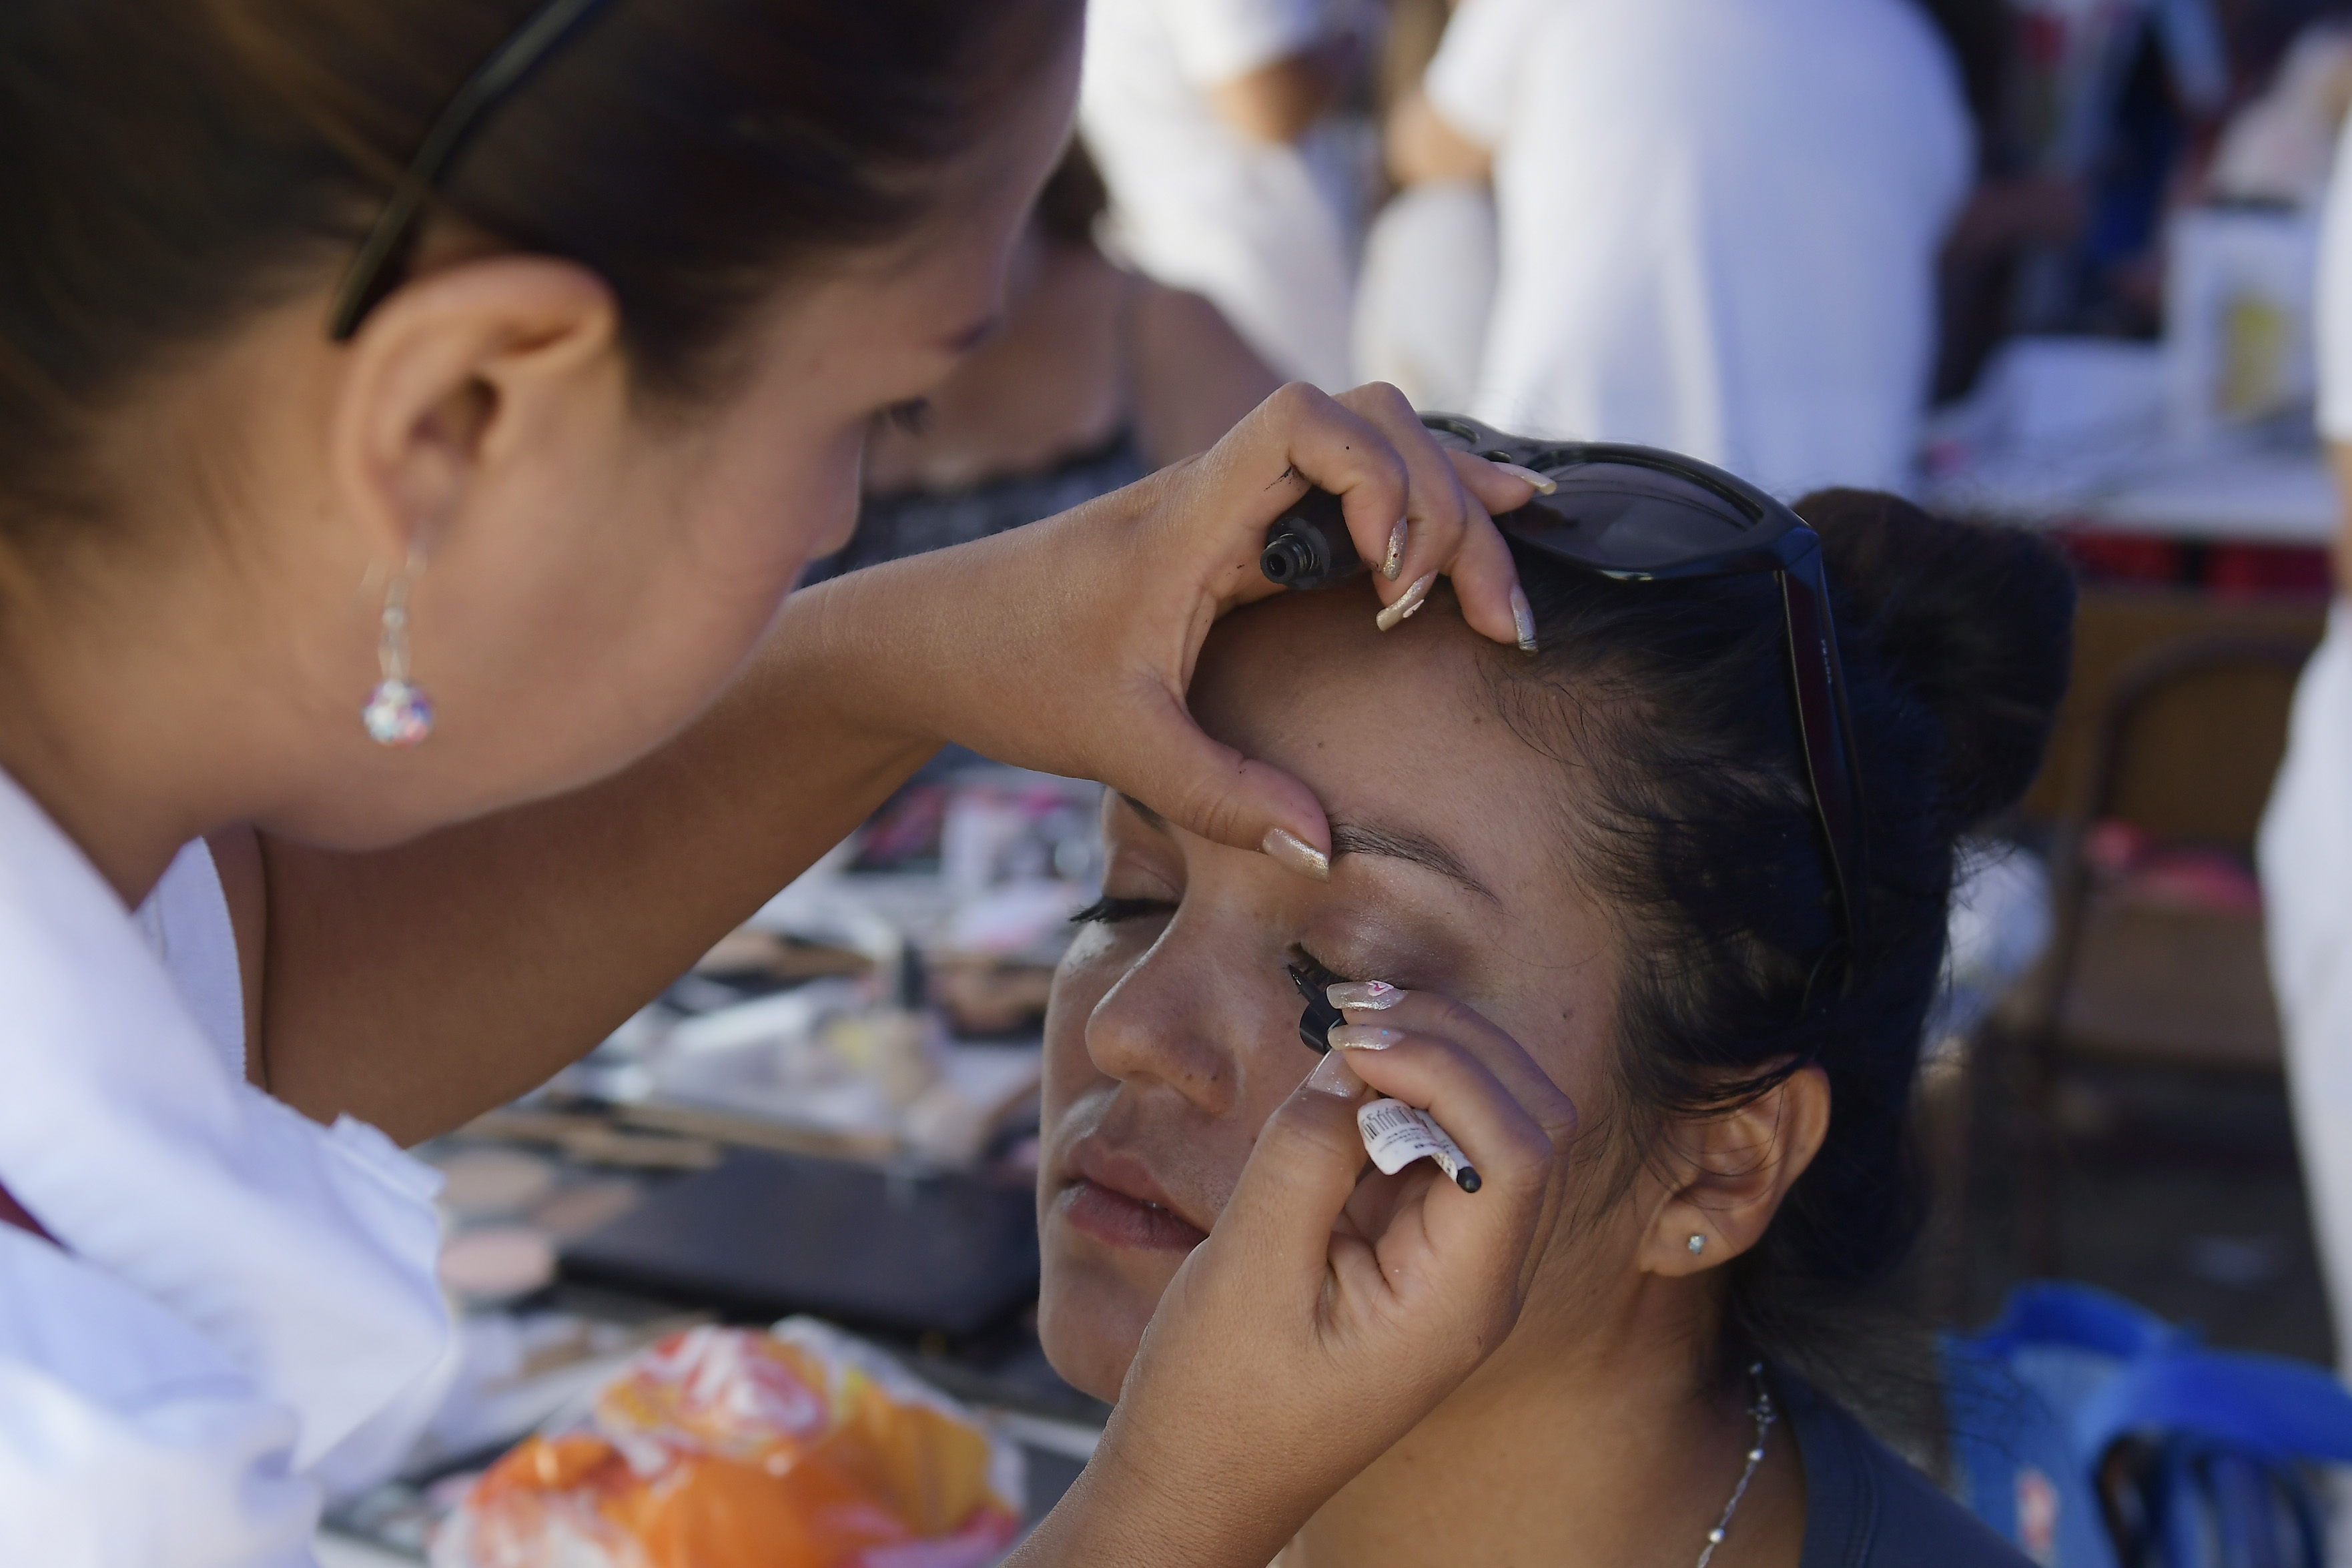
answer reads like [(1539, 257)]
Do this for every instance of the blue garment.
[(1867, 1507)]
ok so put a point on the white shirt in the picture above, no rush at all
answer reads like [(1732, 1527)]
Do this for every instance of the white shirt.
[(239, 1291), (2305, 849), (1719, 222), (2332, 310), (1255, 226)]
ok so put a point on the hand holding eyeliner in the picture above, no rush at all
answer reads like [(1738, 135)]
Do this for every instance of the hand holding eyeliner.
[(1395, 1134)]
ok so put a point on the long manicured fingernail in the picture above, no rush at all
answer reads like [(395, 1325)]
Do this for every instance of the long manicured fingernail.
[(1544, 487), (1523, 617), (1377, 995), (1393, 563), (1407, 602), (1297, 853), (1332, 1075), (1362, 1038)]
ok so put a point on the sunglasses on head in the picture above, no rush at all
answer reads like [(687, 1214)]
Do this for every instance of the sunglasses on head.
[(1641, 515)]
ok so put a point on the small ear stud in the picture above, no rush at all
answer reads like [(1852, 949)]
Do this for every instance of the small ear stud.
[(1697, 1245)]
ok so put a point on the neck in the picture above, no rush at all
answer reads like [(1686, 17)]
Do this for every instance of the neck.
[(116, 726), (1618, 1446)]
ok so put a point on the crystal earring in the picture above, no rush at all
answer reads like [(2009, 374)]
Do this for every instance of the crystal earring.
[(1697, 1245), (398, 713)]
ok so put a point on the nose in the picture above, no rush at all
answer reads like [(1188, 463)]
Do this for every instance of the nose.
[(1182, 1019)]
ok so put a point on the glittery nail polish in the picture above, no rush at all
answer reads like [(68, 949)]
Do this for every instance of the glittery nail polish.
[(1376, 996), (1406, 603), (1544, 487), (1295, 853), (1363, 1038), (1393, 561), (1332, 1075), (1522, 617)]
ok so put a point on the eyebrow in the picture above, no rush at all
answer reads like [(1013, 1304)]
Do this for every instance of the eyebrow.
[(1403, 843), (1355, 838)]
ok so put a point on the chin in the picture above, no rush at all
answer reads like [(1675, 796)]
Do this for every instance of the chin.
[(1090, 1320)]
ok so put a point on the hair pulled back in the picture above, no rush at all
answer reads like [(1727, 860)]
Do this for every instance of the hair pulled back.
[(167, 166), (1697, 830)]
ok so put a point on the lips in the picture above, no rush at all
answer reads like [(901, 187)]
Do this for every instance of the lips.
[(1115, 1198)]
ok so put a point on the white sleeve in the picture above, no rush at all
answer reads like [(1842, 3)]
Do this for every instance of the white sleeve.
[(2334, 302), (1474, 78), (1218, 40)]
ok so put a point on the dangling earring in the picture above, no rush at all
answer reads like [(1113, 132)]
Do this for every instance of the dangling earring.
[(397, 712), (1697, 1245)]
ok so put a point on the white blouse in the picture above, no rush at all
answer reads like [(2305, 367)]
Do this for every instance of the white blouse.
[(239, 1295)]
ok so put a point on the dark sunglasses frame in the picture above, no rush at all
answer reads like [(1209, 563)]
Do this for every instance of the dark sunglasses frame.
[(1776, 539)]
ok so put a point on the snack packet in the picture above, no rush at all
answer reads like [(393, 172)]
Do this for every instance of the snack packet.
[(792, 1447)]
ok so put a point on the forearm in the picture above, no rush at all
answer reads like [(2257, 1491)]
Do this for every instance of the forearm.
[(418, 986)]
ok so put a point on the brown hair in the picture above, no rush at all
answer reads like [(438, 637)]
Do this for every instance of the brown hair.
[(1074, 198), (168, 166)]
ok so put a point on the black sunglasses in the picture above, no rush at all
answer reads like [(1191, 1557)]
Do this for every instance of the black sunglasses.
[(1641, 515)]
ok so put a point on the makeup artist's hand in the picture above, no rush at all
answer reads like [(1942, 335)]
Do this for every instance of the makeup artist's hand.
[(1068, 646), (1329, 1309)]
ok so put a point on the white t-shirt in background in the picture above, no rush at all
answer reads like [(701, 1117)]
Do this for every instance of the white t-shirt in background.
[(1257, 228), (1719, 224), (2305, 851)]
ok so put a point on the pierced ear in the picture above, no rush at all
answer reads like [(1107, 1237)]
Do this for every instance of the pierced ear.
[(458, 369), (1731, 1172)]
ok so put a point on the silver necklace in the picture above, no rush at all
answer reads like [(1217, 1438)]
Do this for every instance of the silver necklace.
[(1761, 1409)]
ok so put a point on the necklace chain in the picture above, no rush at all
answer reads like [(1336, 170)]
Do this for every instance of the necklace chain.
[(1763, 1410)]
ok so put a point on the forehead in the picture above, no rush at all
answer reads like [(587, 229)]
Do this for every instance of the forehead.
[(1396, 730)]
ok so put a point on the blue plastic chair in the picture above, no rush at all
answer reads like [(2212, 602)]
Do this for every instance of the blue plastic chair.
[(2040, 1402)]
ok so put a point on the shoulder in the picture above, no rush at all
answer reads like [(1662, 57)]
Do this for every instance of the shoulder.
[(1194, 378), (1867, 1507)]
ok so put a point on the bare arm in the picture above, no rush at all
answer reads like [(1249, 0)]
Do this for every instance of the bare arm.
[(1194, 377), (1278, 103), (418, 986), (1423, 145)]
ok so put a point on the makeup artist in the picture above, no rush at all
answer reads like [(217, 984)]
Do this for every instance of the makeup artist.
[(413, 415)]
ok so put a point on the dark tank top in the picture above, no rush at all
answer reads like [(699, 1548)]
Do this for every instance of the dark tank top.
[(912, 522), (1867, 1507)]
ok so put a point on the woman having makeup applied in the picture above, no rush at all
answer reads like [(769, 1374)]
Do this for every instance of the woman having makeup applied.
[(1599, 861), (414, 415)]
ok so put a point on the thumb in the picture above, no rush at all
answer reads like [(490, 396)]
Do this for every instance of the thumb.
[(1211, 789), (1308, 1158)]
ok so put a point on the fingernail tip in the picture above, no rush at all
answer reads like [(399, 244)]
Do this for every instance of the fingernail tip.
[(1281, 844)]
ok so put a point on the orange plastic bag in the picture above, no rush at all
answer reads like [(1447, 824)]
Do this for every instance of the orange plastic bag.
[(798, 1447)]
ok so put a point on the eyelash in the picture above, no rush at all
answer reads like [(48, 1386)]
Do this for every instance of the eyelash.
[(1108, 911), (1318, 971), (913, 417)]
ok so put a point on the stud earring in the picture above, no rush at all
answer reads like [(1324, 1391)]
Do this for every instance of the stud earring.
[(398, 713), (1697, 1245)]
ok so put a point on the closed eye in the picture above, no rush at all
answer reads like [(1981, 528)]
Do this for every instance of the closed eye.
[(1108, 911)]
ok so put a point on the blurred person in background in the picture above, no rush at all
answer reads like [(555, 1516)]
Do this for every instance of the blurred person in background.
[(1208, 121), (2305, 848), (1097, 378), (1427, 282), (1718, 221)]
